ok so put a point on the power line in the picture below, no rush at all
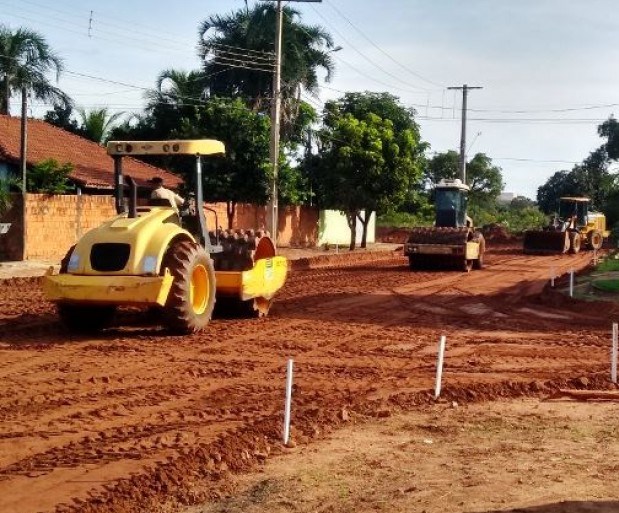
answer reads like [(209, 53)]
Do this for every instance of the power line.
[(518, 121), (414, 73), (270, 55), (368, 59), (99, 18)]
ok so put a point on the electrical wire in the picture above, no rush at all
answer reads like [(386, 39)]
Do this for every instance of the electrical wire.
[(371, 61), (414, 73)]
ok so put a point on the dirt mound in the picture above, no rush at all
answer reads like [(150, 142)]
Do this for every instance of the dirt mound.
[(392, 235), (497, 232)]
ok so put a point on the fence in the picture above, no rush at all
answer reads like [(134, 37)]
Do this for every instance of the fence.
[(55, 222)]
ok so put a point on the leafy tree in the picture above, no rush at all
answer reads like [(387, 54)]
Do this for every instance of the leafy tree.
[(556, 186), (484, 179), (25, 61), (520, 203), (98, 124), (243, 174), (61, 116), (591, 178), (363, 164), (610, 130), (521, 214), (7, 186), (228, 42), (49, 177), (383, 105)]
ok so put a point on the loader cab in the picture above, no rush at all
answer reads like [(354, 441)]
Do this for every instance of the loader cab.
[(450, 201), (578, 207)]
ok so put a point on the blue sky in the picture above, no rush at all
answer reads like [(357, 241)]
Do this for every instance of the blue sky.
[(537, 56)]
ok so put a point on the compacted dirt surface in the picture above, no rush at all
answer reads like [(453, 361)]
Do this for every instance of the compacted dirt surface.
[(516, 456), (137, 420)]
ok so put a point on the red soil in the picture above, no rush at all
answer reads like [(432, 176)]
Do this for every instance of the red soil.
[(135, 419)]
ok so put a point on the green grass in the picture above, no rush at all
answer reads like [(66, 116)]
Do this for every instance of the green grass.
[(402, 220), (606, 285), (608, 265)]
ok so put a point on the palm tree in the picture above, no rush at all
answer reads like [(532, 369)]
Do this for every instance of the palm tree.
[(233, 46), (25, 61), (177, 87), (97, 124)]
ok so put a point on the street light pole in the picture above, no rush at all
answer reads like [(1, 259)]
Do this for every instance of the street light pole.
[(273, 215)]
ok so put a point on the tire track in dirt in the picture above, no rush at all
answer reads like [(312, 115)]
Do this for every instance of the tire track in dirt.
[(363, 336)]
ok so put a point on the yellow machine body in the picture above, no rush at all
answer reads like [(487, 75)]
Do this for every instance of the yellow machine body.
[(141, 280), (151, 256), (558, 237), (121, 290)]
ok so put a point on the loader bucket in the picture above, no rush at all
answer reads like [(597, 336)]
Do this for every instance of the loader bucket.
[(546, 242)]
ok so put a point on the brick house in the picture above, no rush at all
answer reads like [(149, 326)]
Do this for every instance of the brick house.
[(93, 168), (53, 223)]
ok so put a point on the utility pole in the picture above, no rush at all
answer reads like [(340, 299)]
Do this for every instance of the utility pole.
[(24, 137), (22, 163), (465, 92), (273, 215)]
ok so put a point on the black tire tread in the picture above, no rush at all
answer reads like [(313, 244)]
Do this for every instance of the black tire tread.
[(178, 314)]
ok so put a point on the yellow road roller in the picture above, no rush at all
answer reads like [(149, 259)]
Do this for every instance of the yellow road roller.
[(162, 258), (452, 242)]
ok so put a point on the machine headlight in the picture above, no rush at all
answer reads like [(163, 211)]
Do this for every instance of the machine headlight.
[(149, 265), (74, 262)]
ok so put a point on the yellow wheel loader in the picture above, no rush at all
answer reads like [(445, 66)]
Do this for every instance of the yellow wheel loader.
[(452, 241), (156, 257), (574, 228)]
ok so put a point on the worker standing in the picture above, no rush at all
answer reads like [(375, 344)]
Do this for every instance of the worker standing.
[(160, 192)]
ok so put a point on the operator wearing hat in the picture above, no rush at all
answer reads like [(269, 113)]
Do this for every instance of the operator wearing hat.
[(160, 192)]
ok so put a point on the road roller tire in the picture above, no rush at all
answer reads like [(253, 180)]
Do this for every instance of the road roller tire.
[(575, 242), (595, 240), (241, 248), (85, 318), (191, 299)]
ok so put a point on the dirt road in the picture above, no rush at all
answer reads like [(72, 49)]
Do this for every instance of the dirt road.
[(507, 456), (137, 420)]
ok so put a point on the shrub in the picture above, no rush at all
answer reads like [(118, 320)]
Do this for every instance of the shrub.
[(49, 177)]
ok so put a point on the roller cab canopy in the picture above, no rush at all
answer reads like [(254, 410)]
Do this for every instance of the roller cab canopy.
[(172, 147)]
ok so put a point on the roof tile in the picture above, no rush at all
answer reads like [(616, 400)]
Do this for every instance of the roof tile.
[(93, 167)]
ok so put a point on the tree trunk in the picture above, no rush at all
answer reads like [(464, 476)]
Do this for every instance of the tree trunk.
[(4, 107), (230, 211), (351, 218), (364, 222)]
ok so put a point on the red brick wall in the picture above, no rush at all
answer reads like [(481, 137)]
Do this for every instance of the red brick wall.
[(55, 223), (297, 226)]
